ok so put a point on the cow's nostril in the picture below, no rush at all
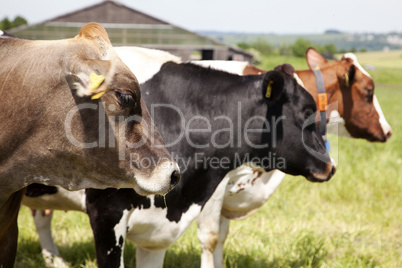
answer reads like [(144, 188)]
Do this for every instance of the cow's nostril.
[(389, 134), (175, 178), (333, 170)]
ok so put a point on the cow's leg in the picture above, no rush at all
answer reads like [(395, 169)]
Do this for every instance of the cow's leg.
[(149, 259), (109, 221), (50, 251), (109, 242), (223, 232), (208, 225), (9, 229)]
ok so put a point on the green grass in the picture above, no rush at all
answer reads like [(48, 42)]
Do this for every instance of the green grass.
[(270, 62), (354, 220)]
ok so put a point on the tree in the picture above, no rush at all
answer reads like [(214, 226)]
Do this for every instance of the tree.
[(18, 21), (300, 46), (330, 49), (243, 45), (6, 24), (285, 49), (263, 47)]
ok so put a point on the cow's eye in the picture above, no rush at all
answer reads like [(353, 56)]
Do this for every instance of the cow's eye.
[(125, 98), (370, 94), (370, 91)]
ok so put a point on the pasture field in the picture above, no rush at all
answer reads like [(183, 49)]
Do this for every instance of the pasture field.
[(354, 220)]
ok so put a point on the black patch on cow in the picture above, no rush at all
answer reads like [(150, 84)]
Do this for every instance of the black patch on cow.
[(36, 189), (105, 210)]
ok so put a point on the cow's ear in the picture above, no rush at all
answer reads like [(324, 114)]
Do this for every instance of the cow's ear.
[(272, 87), (350, 75), (315, 59), (90, 78)]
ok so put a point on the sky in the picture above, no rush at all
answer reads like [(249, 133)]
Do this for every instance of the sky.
[(250, 16)]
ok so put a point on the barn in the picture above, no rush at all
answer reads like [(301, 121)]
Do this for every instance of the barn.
[(129, 27)]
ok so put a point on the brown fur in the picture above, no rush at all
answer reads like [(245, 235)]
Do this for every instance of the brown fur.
[(354, 104), (9, 229), (94, 30), (251, 69), (39, 84)]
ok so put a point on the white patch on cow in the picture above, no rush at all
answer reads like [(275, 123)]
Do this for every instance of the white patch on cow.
[(1, 32), (298, 80), (150, 229), (144, 62), (208, 223), (239, 195), (386, 128), (52, 260), (62, 200), (336, 125), (356, 63), (120, 230), (249, 187), (234, 67)]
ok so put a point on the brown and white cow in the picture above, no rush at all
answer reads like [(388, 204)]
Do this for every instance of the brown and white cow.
[(56, 131), (358, 113)]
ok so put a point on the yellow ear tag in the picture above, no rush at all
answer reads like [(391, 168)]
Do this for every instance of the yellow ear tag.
[(95, 82), (347, 80), (317, 67), (97, 95), (269, 90)]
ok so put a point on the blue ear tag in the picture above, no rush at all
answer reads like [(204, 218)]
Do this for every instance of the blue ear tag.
[(327, 146)]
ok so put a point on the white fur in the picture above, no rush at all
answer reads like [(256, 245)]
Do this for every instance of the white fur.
[(149, 259), (252, 194), (386, 128), (120, 230), (62, 200), (243, 195), (150, 229), (50, 251), (298, 80), (208, 222), (234, 67), (356, 63), (144, 62)]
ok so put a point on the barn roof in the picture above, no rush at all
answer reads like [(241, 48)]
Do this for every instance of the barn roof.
[(124, 25), (108, 12)]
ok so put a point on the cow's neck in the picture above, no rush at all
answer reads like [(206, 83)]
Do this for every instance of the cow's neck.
[(332, 88)]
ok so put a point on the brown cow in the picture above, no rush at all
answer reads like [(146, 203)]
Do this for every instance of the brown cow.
[(348, 83), (54, 133)]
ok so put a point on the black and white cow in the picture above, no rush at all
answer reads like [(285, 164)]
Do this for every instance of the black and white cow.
[(347, 102), (213, 122)]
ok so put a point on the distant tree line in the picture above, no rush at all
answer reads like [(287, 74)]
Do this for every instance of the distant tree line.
[(297, 49), (7, 24)]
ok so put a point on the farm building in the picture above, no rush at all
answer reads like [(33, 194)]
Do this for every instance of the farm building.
[(130, 27)]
